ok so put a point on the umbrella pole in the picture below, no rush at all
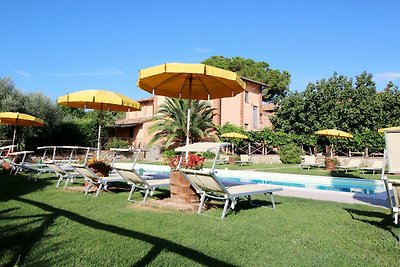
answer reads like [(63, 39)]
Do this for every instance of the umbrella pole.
[(187, 130), (15, 131), (188, 116), (99, 134)]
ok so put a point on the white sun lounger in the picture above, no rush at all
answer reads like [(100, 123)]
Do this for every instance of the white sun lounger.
[(208, 186), (391, 159), (139, 183), (101, 182), (244, 160), (309, 161), (353, 164), (376, 165), (62, 173)]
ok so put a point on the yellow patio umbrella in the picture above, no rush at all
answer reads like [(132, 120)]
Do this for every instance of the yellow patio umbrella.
[(190, 81), (99, 100), (19, 119), (382, 130), (234, 135), (334, 133)]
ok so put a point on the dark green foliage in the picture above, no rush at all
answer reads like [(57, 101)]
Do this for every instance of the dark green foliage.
[(169, 153), (208, 155), (290, 154), (117, 143), (277, 82), (339, 103)]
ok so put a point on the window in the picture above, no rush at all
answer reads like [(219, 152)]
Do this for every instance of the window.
[(255, 117), (246, 97)]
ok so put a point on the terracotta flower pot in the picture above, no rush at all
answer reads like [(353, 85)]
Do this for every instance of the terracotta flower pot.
[(181, 190), (330, 165)]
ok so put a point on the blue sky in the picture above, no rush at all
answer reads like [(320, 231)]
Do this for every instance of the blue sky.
[(57, 47)]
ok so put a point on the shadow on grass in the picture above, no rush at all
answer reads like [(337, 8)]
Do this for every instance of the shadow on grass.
[(18, 185), (21, 241), (377, 219), (159, 244)]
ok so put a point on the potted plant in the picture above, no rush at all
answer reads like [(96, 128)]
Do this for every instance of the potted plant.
[(181, 190), (331, 163), (100, 167)]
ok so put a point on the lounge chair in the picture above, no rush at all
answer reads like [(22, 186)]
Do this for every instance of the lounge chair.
[(31, 168), (62, 173), (223, 159), (391, 159), (376, 165), (139, 183), (310, 161), (93, 179), (244, 160), (353, 164), (208, 186)]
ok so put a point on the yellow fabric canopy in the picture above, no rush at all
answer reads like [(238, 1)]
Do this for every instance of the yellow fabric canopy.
[(334, 133), (234, 135), (100, 100), (382, 130), (19, 119), (190, 81)]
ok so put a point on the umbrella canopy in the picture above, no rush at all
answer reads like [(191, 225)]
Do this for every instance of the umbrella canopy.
[(334, 133), (99, 100), (382, 130), (19, 119), (190, 81), (234, 135)]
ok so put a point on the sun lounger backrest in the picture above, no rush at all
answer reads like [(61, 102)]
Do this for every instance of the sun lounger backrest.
[(205, 181), (57, 169), (244, 158), (354, 162), (392, 140), (130, 176), (85, 172), (309, 159), (377, 163)]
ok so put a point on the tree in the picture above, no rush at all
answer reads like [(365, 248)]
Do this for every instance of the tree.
[(40, 106), (171, 120), (277, 82), (335, 102)]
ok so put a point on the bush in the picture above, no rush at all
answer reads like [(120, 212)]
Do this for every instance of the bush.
[(290, 154), (208, 155), (169, 153), (117, 143)]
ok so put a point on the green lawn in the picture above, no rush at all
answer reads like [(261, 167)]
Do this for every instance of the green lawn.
[(48, 226)]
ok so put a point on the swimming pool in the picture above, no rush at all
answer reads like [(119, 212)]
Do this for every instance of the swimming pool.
[(352, 185)]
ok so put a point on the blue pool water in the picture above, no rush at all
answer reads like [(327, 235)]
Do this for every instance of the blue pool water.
[(292, 180)]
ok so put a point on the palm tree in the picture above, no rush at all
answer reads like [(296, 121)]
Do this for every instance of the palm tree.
[(171, 119)]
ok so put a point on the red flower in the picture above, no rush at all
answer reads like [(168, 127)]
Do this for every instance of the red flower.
[(194, 161)]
